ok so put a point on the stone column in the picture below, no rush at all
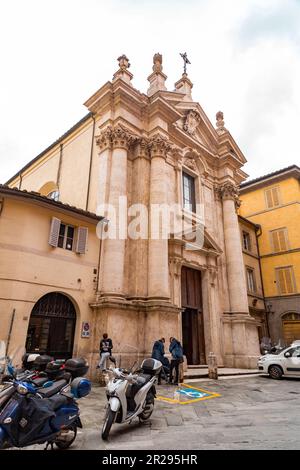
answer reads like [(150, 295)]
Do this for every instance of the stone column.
[(158, 270), (234, 257), (113, 253)]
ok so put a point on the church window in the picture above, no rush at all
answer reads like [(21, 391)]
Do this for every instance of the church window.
[(189, 200)]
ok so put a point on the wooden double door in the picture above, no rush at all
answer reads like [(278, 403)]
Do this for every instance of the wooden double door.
[(192, 316)]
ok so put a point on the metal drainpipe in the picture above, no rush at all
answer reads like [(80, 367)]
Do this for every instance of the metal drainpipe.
[(90, 168), (258, 227)]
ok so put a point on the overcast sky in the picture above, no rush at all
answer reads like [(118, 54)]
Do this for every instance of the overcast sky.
[(245, 57)]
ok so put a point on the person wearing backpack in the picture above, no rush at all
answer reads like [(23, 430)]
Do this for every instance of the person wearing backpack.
[(177, 358)]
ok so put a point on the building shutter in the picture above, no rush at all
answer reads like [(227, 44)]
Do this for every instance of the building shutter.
[(275, 196), (285, 280), (282, 240), (269, 198), (279, 240), (54, 232), (281, 279), (275, 241), (81, 242), (289, 281)]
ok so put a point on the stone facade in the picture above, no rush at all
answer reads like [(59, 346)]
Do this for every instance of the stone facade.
[(140, 147)]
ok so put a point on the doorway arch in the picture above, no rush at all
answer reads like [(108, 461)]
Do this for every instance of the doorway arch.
[(52, 326)]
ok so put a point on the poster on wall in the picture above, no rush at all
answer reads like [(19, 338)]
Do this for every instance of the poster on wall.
[(85, 330)]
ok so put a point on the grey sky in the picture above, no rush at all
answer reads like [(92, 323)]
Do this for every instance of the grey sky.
[(245, 61)]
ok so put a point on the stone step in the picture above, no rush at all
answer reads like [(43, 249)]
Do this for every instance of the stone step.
[(198, 366), (222, 371)]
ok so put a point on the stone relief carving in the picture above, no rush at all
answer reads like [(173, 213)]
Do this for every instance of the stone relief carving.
[(192, 121)]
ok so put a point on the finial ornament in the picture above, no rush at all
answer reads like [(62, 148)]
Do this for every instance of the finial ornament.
[(157, 62), (123, 62), (185, 61), (220, 123)]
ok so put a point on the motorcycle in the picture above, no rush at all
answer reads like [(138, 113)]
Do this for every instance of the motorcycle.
[(28, 418), (130, 395)]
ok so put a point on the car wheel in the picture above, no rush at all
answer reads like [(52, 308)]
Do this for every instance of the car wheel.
[(275, 372)]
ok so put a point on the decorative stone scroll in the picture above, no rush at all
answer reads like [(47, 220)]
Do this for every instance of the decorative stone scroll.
[(192, 121)]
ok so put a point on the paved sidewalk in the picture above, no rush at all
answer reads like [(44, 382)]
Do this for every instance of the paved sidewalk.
[(253, 412)]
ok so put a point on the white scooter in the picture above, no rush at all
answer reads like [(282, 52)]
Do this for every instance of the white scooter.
[(130, 395)]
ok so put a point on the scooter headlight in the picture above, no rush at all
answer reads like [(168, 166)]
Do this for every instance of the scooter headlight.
[(22, 389)]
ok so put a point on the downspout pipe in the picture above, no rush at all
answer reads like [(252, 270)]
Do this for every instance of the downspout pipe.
[(258, 233), (90, 166)]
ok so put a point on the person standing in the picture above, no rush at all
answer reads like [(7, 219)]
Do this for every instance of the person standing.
[(158, 353), (105, 351), (177, 358)]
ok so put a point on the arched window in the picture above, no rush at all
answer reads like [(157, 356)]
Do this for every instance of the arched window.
[(53, 195)]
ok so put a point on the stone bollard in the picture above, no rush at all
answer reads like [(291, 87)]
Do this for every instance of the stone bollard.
[(212, 366)]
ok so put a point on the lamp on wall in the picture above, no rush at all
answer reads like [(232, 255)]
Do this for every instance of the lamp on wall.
[(269, 307)]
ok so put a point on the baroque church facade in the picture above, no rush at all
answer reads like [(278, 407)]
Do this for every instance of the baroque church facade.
[(153, 149)]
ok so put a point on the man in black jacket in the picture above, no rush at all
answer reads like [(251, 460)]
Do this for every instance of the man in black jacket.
[(105, 351)]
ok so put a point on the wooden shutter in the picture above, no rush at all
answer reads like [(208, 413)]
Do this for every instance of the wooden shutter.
[(269, 198), (289, 281), (81, 242), (54, 231), (275, 196), (275, 241), (282, 240), (285, 280), (279, 240)]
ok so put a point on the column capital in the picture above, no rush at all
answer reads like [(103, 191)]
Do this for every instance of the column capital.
[(121, 137), (159, 146), (115, 137), (228, 190)]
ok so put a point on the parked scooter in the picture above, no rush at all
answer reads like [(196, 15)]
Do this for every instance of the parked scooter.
[(130, 395), (29, 419)]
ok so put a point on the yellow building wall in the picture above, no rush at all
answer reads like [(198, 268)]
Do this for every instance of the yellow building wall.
[(74, 172), (31, 268), (254, 201), (287, 215)]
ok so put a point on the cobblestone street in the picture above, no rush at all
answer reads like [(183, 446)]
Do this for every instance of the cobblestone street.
[(252, 413)]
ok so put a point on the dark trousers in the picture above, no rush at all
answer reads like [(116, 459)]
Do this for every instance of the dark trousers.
[(174, 365)]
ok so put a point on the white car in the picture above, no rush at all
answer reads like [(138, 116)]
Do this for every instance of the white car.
[(285, 362)]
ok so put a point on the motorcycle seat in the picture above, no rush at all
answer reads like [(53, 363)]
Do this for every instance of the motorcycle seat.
[(57, 401), (39, 381), (52, 390)]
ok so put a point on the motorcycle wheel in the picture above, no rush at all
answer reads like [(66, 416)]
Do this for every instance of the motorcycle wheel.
[(108, 422), (66, 437), (148, 410)]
